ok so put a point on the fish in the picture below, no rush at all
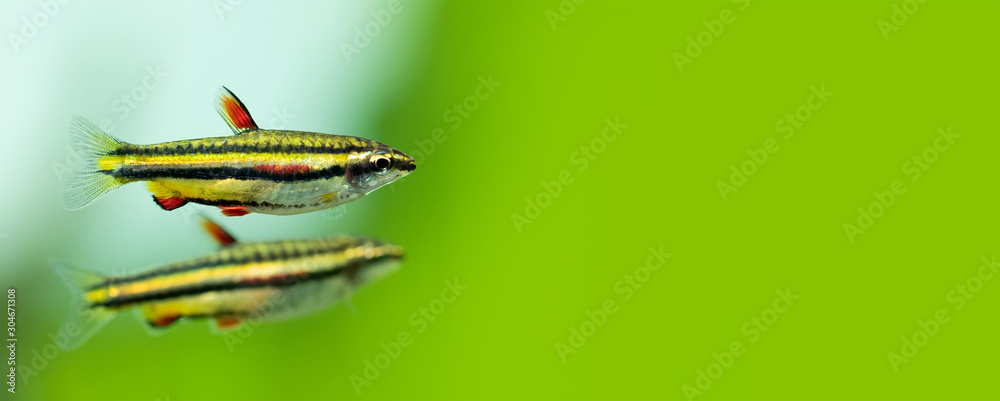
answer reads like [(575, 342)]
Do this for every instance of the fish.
[(263, 281), (255, 170)]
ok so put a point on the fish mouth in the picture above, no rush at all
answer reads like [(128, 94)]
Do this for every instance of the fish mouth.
[(404, 163)]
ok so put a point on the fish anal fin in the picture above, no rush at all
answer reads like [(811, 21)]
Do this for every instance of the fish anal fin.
[(218, 233), (227, 322), (234, 112), (233, 211), (170, 203)]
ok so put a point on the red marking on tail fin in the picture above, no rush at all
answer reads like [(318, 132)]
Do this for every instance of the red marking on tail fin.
[(283, 169), (234, 112), (170, 203), (233, 211), (227, 322), (163, 321)]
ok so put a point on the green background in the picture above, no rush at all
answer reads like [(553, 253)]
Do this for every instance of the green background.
[(655, 185)]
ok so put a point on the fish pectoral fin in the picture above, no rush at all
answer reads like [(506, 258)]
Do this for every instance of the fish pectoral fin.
[(234, 112), (217, 233), (228, 322), (166, 198), (233, 211), (329, 197)]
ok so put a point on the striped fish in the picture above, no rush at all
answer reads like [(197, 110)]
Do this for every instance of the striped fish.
[(256, 170), (260, 281)]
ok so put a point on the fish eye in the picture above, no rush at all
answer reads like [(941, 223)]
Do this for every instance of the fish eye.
[(381, 163)]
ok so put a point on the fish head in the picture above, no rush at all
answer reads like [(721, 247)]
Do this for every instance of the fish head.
[(376, 260), (372, 169)]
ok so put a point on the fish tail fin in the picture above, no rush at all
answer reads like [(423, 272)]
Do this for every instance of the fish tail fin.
[(83, 320), (89, 181)]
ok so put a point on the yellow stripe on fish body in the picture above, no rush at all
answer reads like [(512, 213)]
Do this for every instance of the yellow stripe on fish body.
[(274, 172), (208, 160), (231, 281), (287, 183), (257, 170)]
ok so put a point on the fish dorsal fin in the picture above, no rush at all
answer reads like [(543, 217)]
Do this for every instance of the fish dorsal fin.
[(234, 112), (217, 233)]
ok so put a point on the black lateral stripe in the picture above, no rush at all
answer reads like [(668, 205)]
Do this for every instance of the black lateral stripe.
[(239, 314), (227, 202), (232, 146), (201, 289), (237, 258), (219, 173)]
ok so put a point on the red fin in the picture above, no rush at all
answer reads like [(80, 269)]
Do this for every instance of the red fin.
[(163, 321), (227, 322), (218, 233), (234, 112), (233, 211), (170, 203), (283, 169)]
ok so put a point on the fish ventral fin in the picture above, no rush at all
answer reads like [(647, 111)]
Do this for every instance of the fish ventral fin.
[(217, 233), (158, 319), (234, 211), (89, 181), (82, 321), (166, 198), (227, 322), (164, 321), (234, 112)]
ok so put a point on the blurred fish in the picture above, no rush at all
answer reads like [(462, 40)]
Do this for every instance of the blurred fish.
[(257, 170), (267, 281)]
